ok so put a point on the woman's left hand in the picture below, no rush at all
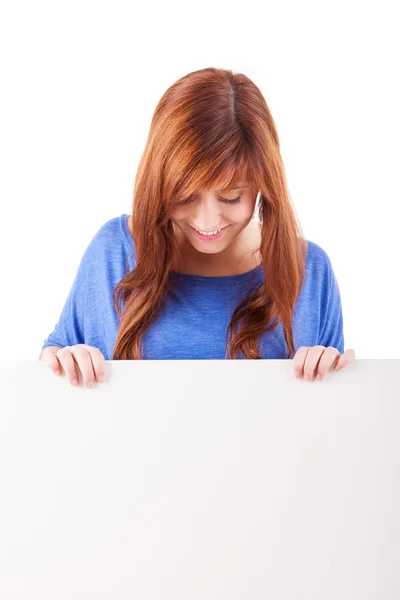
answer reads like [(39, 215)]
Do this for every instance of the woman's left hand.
[(309, 358)]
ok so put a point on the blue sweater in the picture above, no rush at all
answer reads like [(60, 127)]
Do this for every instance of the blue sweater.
[(194, 324)]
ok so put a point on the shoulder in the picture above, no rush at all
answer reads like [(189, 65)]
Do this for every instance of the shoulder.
[(111, 232), (319, 268), (110, 241), (110, 228), (317, 256)]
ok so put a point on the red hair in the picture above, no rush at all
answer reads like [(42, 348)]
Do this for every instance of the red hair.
[(209, 128)]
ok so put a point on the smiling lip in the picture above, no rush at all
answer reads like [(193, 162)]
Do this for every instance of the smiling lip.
[(208, 238)]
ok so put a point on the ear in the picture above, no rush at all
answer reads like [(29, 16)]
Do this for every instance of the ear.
[(257, 203)]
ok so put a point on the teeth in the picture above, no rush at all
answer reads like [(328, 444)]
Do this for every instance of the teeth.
[(211, 233)]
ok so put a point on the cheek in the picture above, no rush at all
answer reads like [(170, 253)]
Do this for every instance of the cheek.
[(241, 213), (233, 213), (180, 213)]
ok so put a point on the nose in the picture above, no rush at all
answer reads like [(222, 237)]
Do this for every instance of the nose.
[(206, 216)]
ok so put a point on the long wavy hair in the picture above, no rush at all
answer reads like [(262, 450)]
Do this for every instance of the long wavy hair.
[(208, 127)]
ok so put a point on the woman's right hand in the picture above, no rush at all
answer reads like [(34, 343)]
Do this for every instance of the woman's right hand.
[(90, 360)]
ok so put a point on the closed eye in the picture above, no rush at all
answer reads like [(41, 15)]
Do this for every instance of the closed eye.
[(225, 200)]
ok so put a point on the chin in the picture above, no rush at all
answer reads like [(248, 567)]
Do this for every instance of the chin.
[(211, 250)]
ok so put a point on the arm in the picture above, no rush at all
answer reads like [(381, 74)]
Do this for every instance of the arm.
[(331, 329)]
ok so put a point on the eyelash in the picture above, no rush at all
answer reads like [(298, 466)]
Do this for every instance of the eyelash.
[(225, 200)]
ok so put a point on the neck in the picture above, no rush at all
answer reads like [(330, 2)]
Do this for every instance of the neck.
[(239, 257)]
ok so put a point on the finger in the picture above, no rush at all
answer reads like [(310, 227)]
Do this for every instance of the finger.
[(346, 358), (98, 362), (81, 353), (299, 359), (312, 360), (67, 361), (328, 359), (54, 363)]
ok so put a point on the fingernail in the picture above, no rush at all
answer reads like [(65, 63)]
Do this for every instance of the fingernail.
[(318, 377), (89, 384), (296, 373), (74, 382), (101, 378), (306, 378)]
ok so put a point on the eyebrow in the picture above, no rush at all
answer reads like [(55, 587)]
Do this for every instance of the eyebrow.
[(242, 187)]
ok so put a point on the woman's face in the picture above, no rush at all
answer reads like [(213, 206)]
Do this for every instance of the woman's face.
[(229, 210)]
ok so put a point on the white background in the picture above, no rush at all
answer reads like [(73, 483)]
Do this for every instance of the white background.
[(80, 82)]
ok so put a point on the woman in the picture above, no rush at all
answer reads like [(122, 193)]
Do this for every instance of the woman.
[(191, 274)]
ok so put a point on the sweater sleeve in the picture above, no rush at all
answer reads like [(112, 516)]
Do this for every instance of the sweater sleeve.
[(70, 328), (331, 317)]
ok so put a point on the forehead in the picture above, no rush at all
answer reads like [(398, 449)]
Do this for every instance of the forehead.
[(238, 181), (230, 180)]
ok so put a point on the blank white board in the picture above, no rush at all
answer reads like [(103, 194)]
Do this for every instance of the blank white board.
[(200, 480)]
